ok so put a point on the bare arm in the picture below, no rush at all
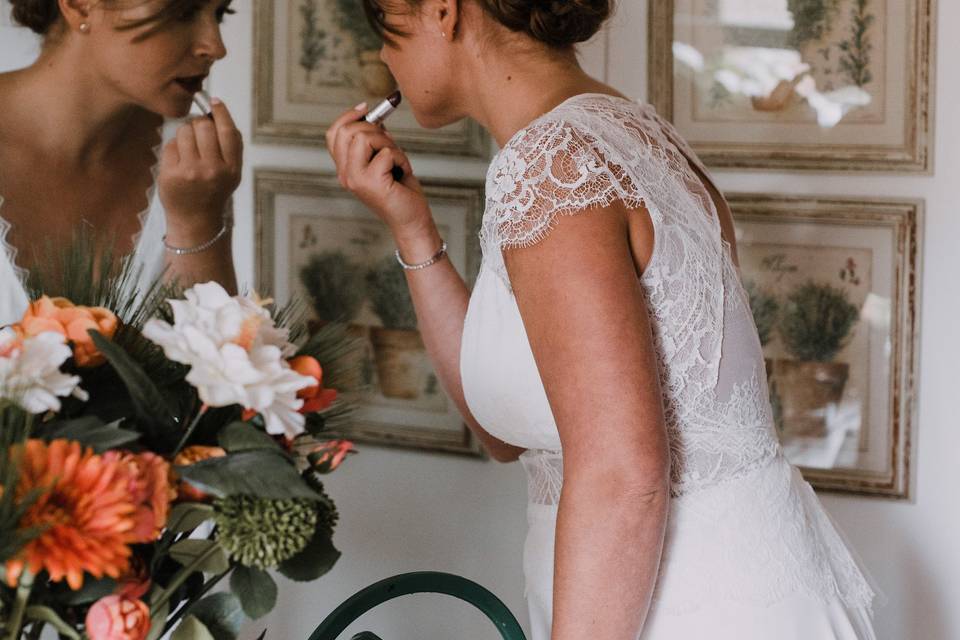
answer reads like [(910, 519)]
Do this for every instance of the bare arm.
[(199, 172), (439, 294), (587, 322)]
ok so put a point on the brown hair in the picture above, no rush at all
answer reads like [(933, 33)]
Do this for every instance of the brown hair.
[(40, 16), (557, 23)]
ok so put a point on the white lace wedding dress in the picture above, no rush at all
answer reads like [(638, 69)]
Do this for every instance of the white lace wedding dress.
[(749, 554)]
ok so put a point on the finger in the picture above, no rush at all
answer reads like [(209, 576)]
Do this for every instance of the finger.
[(364, 145), (351, 115), (187, 144), (387, 158), (348, 133), (170, 157), (207, 143), (231, 141)]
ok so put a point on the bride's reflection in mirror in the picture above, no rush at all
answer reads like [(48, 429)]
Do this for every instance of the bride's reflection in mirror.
[(83, 146)]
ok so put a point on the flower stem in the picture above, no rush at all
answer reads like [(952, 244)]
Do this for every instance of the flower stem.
[(190, 430), (15, 621), (182, 611), (180, 578)]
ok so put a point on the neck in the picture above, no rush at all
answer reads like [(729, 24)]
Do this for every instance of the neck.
[(508, 91), (69, 112)]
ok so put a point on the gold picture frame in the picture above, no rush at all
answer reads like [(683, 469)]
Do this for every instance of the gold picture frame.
[(317, 242), (755, 87), (847, 421), (308, 69)]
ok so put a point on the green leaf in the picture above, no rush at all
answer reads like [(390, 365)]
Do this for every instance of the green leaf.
[(263, 634), (158, 620), (188, 551), (314, 561), (243, 436), (256, 590), (187, 516), (48, 615), (92, 432), (91, 591), (149, 404), (265, 474), (191, 629), (222, 614)]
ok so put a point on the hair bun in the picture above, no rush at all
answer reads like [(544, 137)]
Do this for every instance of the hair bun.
[(36, 15), (558, 23)]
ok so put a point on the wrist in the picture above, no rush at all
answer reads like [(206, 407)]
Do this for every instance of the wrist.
[(194, 229), (418, 243)]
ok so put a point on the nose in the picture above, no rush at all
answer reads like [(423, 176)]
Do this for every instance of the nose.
[(209, 42)]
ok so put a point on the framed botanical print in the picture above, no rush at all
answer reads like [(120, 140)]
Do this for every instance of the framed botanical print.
[(316, 58), (319, 244), (838, 85), (834, 286)]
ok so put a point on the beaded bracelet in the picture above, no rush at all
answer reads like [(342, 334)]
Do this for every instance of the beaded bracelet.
[(423, 265), (200, 248)]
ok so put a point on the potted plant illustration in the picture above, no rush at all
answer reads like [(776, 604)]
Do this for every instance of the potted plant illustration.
[(816, 322), (402, 365), (374, 74)]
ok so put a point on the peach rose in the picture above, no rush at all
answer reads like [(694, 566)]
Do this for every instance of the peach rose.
[(118, 618), (150, 489), (62, 316), (315, 398), (185, 491)]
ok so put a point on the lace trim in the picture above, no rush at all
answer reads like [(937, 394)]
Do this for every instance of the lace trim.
[(9, 250), (5, 226)]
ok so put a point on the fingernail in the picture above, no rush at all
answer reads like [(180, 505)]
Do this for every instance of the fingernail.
[(361, 107)]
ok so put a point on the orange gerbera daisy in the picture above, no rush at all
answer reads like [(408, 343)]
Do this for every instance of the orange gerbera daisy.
[(149, 488), (85, 513)]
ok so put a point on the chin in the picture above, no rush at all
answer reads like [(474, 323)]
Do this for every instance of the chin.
[(435, 120)]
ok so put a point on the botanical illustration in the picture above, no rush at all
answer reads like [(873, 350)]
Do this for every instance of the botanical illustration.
[(786, 60), (334, 48), (346, 270), (808, 304)]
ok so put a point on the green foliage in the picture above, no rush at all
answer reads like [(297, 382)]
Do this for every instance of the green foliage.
[(811, 19), (221, 614), (256, 590), (312, 40), (353, 19), (192, 629), (208, 554), (855, 59), (335, 284), (390, 295), (816, 321), (15, 427), (765, 310), (261, 473), (243, 436)]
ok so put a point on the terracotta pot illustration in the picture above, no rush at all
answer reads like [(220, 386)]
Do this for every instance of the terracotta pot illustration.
[(375, 75), (781, 97), (805, 391), (401, 362)]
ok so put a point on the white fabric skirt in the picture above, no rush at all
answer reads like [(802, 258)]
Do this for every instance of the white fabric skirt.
[(756, 558)]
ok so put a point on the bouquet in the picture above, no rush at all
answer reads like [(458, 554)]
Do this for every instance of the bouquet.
[(153, 444)]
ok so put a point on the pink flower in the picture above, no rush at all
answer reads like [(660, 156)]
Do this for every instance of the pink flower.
[(118, 618)]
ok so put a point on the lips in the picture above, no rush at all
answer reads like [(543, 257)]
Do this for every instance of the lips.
[(191, 84)]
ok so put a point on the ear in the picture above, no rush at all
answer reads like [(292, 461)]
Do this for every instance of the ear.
[(75, 13), (444, 16)]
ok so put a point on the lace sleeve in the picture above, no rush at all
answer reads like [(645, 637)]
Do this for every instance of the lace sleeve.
[(553, 168)]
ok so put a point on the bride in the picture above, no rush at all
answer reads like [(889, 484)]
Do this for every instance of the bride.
[(608, 341), (80, 141)]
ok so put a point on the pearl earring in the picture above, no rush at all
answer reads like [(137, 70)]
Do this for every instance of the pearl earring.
[(84, 27)]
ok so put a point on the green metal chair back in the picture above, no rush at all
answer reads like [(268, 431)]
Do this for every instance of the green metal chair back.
[(418, 582)]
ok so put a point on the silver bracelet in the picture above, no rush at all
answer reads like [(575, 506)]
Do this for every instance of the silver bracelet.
[(200, 248), (423, 265)]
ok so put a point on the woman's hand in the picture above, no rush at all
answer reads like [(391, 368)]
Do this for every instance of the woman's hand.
[(365, 155), (199, 171)]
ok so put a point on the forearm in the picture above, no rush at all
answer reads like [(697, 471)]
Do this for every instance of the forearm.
[(607, 555), (441, 297), (214, 263)]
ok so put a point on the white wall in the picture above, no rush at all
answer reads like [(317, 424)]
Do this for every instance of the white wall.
[(405, 511)]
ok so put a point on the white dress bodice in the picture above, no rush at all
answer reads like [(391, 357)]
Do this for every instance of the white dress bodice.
[(148, 253), (744, 526)]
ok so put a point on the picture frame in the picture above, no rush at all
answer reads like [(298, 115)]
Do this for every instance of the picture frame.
[(829, 85), (834, 286), (317, 242), (311, 65)]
